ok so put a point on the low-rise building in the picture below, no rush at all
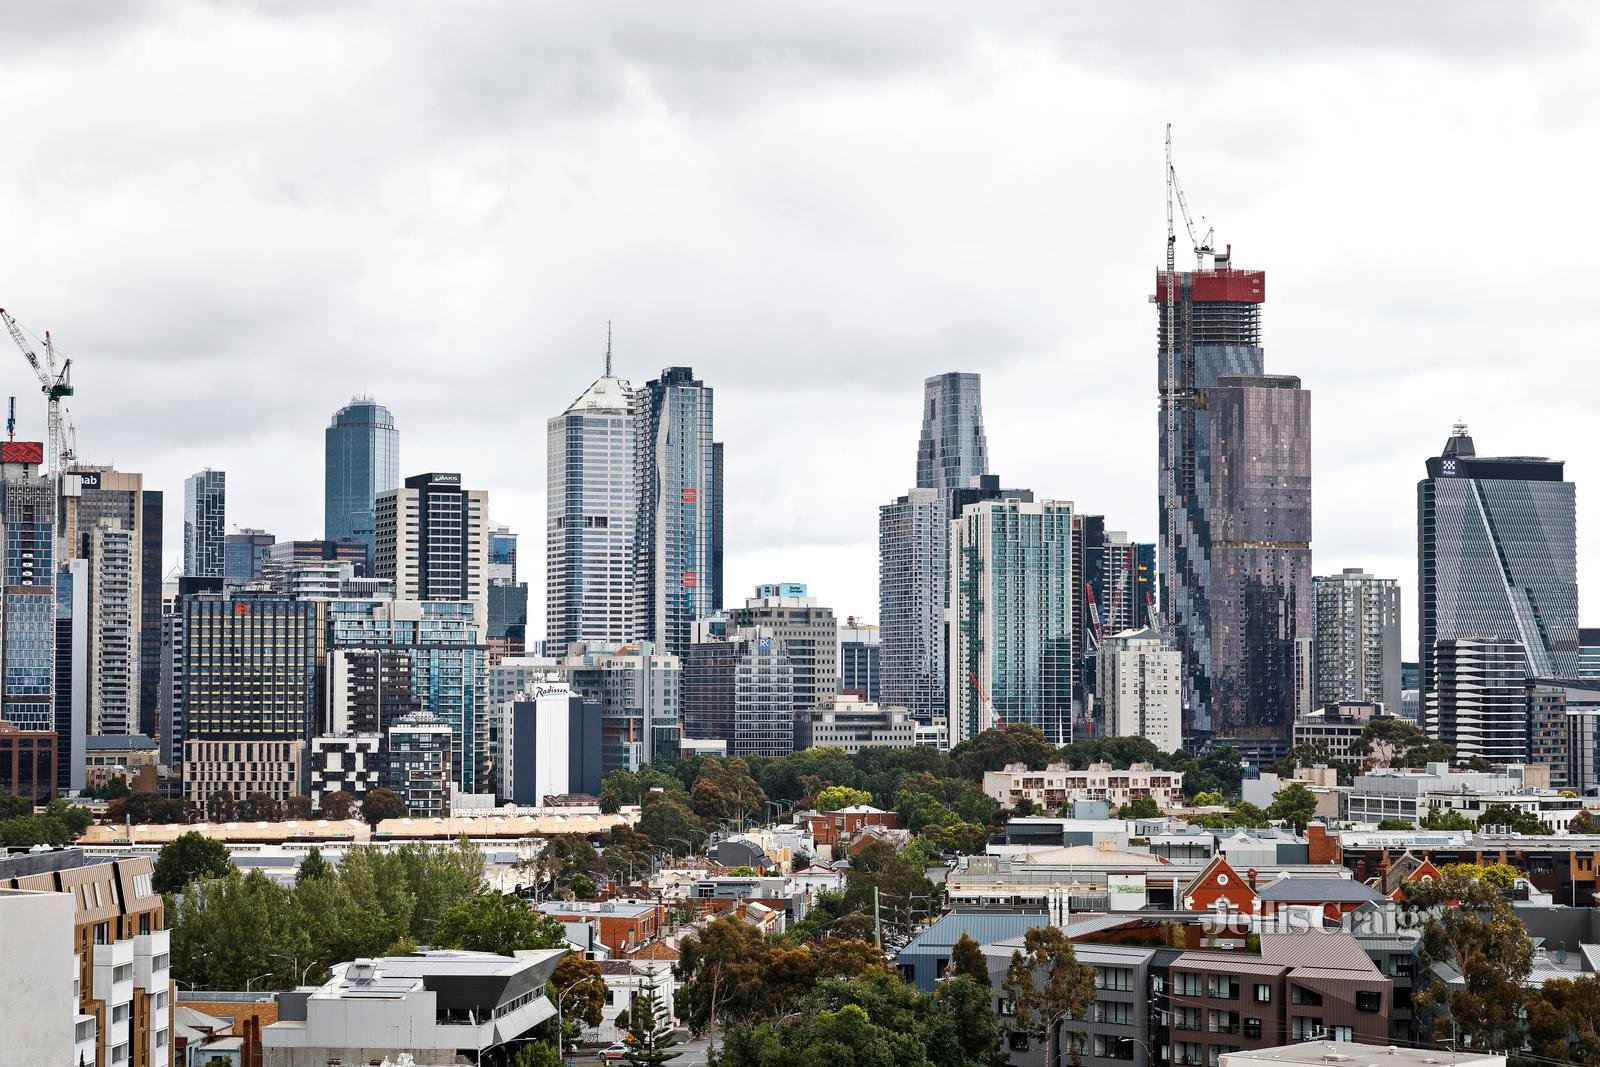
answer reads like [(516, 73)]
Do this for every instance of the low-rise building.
[(432, 1006), (28, 763), (132, 757), (1334, 728), (624, 924), (1408, 794), (853, 724), (835, 829), (124, 974), (1059, 784), (1323, 1053)]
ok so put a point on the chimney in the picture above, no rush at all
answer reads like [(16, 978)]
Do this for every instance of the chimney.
[(1250, 877)]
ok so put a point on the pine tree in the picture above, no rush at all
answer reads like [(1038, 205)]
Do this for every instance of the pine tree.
[(650, 1038)]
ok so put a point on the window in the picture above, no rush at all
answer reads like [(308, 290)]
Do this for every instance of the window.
[(1187, 985), (1018, 1041), (1263, 994), (1222, 987), (1119, 979), (1111, 1011), (1369, 1000), (1341, 1033), (1252, 1028), (1299, 995)]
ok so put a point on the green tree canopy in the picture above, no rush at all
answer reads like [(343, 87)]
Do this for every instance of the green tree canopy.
[(1437, 818), (668, 821), (1295, 804), (836, 797), (966, 959), (313, 867), (1141, 808), (189, 856), (650, 1036), (1520, 821), (382, 804), (489, 922), (1047, 984)]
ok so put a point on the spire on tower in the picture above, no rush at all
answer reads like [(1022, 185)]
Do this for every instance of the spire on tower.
[(608, 348)]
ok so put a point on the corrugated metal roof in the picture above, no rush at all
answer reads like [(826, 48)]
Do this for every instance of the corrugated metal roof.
[(1319, 890), (983, 926), (1332, 949)]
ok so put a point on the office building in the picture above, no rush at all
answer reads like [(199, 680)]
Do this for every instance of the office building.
[(739, 687), (1479, 704), (205, 505), (550, 744), (1012, 630), (246, 692), (123, 975), (1588, 652), (1209, 326), (343, 763), (150, 575), (502, 553), (449, 667), (418, 763), (913, 580), (853, 724), (677, 542), (861, 660), (288, 553), (592, 508), (433, 542), (28, 763), (1356, 639), (1259, 639), (638, 688), (1334, 729), (1140, 687), (362, 447), (1496, 560), (369, 689), (71, 673), (807, 633), (508, 619), (27, 598), (244, 553), (112, 553), (952, 450), (432, 1006)]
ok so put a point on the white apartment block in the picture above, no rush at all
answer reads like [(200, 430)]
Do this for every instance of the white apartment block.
[(114, 629), (432, 541), (1057, 784), (1141, 687)]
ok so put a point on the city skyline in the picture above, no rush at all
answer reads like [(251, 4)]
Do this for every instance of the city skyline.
[(1397, 319)]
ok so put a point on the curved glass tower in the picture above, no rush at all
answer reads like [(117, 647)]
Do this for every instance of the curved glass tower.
[(363, 460)]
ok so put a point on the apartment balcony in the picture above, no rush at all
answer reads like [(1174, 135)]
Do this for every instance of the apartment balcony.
[(152, 964)]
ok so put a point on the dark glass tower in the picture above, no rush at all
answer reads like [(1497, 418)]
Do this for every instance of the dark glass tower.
[(205, 500), (1209, 327), (1496, 560), (953, 448), (363, 461)]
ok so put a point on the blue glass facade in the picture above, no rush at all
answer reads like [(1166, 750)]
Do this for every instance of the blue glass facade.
[(28, 631), (205, 507), (363, 460), (953, 448)]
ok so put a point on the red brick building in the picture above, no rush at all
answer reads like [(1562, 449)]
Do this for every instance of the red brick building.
[(834, 827), (28, 763), (625, 925), (1219, 885)]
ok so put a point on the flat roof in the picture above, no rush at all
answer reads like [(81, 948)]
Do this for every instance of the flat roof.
[(1330, 1053)]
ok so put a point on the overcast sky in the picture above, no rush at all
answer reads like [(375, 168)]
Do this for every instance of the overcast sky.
[(233, 219)]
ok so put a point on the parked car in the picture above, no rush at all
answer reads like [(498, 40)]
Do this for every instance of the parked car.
[(614, 1051)]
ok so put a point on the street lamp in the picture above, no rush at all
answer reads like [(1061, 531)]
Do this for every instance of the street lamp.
[(561, 1027), (293, 960), (251, 981)]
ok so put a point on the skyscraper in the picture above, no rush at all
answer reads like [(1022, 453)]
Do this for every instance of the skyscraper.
[(807, 636), (1012, 630), (1480, 704), (1209, 326), (1356, 643), (113, 655), (204, 524), (677, 555), (362, 449), (243, 554), (861, 660), (433, 541), (27, 595), (952, 450), (1260, 520), (1496, 560), (592, 510), (1140, 679), (150, 546)]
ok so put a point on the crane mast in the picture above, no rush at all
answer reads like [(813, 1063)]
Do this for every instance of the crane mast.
[(56, 385)]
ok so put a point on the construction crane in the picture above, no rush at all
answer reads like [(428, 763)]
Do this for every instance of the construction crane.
[(56, 386), (984, 703)]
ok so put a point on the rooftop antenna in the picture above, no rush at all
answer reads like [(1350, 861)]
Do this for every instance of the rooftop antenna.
[(11, 421), (608, 348)]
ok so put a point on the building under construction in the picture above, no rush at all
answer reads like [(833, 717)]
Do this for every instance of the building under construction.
[(1233, 598)]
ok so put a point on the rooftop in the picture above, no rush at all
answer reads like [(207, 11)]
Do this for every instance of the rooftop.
[(1327, 1053)]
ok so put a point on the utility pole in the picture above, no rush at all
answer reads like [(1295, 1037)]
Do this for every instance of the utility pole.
[(877, 921)]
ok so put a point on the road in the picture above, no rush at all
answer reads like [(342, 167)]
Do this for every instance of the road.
[(694, 1055)]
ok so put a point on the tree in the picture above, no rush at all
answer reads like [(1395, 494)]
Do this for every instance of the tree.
[(841, 796), (490, 922), (650, 1036), (14, 806), (537, 1054), (667, 821), (297, 807), (1048, 984), (383, 804), (189, 856), (582, 988), (1564, 1019), (918, 811), (902, 887), (583, 887), (1520, 821), (1583, 823), (1438, 818), (1392, 742), (729, 973), (1141, 808), (725, 789), (621, 789), (146, 809), (1470, 924), (993, 750), (1206, 800), (260, 807), (312, 867), (1394, 824), (338, 806), (1295, 804), (966, 959), (221, 807)]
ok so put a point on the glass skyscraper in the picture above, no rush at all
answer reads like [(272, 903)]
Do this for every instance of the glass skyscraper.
[(591, 502), (1496, 560), (1357, 639), (27, 638), (953, 449), (1011, 618), (677, 555), (363, 460), (205, 524)]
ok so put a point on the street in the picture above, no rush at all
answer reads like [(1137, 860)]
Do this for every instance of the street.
[(693, 1055)]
